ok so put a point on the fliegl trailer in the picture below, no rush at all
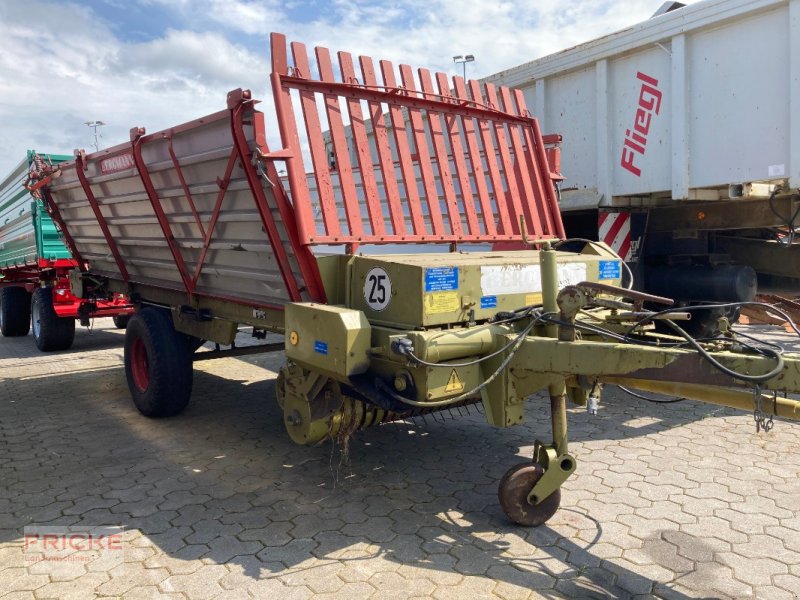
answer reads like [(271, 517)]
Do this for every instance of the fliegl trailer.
[(35, 265), (194, 225), (682, 146)]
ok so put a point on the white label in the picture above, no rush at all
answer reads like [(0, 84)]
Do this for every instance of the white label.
[(510, 279), (571, 274), (776, 170), (377, 289)]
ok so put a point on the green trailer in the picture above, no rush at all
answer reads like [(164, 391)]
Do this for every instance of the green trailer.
[(27, 233), (35, 266)]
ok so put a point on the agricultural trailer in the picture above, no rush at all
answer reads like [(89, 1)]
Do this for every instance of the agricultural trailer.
[(35, 265), (195, 226), (674, 154)]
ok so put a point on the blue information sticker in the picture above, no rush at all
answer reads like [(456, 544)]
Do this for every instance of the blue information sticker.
[(320, 347), (610, 269), (441, 279), (489, 302)]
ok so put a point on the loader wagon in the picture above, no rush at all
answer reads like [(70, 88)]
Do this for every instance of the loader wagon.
[(194, 224), (35, 265)]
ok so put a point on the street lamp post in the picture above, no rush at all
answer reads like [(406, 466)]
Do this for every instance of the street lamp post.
[(463, 60), (94, 125)]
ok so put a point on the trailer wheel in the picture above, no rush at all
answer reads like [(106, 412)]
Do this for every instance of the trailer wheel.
[(15, 311), (121, 321), (513, 494), (158, 364), (50, 331)]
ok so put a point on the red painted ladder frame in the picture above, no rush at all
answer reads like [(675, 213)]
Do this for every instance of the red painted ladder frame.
[(240, 103), (450, 132)]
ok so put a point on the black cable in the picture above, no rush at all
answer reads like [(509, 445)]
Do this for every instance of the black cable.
[(476, 361), (653, 400), (667, 311), (790, 223), (722, 368), (518, 341), (588, 241), (480, 359)]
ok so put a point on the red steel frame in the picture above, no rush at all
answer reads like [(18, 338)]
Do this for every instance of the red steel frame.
[(479, 145), (56, 273), (479, 138), (240, 103)]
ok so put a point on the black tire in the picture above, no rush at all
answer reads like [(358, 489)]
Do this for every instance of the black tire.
[(15, 311), (50, 332), (121, 321), (158, 364)]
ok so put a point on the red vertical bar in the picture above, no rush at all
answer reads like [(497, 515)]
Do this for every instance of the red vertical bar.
[(295, 171), (319, 156), (442, 159), (527, 179), (505, 158), (363, 153), (333, 110), (474, 152), (163, 222), (457, 150), (554, 211), (541, 205), (530, 160), (242, 149), (404, 154), (384, 151), (101, 220), (423, 155), (490, 154), (552, 200), (55, 214)]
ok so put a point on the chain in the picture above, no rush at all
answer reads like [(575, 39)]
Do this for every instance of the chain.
[(762, 422)]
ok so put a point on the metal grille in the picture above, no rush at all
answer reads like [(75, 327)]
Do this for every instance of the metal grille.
[(410, 161)]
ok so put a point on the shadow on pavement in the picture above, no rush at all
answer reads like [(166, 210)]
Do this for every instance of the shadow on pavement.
[(223, 482)]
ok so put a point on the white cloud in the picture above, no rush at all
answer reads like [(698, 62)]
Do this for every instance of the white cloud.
[(60, 64)]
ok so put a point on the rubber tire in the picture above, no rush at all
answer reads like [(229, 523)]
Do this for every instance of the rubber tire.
[(513, 495), (54, 333), (163, 385), (15, 311), (121, 321)]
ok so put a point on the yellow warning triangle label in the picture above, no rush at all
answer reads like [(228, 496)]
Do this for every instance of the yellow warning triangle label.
[(454, 384)]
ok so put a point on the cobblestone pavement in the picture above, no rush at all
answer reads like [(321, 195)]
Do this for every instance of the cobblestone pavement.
[(671, 501)]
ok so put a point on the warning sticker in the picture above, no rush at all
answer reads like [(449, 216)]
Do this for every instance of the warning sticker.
[(454, 383), (531, 299), (442, 302)]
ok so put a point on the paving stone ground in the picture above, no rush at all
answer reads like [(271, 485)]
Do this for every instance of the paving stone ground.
[(669, 501)]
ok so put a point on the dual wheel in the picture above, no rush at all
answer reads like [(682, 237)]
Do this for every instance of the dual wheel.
[(21, 312)]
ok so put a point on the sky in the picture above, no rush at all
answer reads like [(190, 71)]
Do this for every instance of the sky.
[(159, 63)]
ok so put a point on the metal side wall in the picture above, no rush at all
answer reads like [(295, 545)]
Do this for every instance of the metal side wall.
[(239, 263), (27, 232), (691, 101)]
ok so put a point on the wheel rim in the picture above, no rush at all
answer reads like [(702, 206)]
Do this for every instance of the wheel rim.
[(513, 495), (35, 321), (140, 367)]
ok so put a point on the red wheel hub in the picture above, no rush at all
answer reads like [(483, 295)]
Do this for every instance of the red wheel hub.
[(140, 366)]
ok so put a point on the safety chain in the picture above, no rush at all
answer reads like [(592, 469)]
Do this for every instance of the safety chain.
[(762, 422)]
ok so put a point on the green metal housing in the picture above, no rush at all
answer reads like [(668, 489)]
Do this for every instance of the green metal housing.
[(27, 233)]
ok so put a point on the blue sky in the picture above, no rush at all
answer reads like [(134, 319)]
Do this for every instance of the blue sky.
[(158, 63)]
